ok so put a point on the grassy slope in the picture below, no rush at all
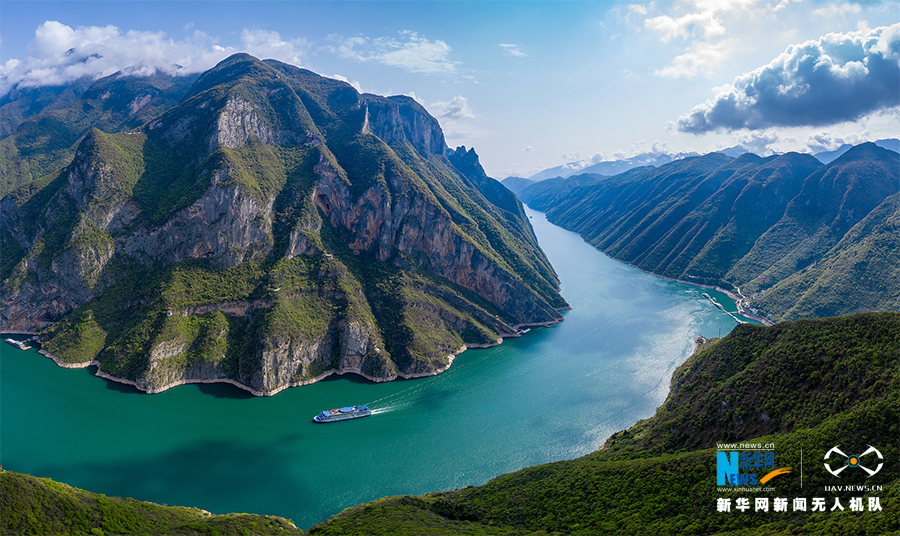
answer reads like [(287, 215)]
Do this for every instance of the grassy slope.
[(40, 506), (822, 383)]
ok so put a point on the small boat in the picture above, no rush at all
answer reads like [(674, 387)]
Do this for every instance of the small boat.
[(18, 344), (343, 414)]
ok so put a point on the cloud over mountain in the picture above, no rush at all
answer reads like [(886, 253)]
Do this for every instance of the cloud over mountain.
[(60, 54), (839, 77)]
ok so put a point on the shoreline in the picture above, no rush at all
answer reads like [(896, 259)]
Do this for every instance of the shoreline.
[(731, 295), (399, 375)]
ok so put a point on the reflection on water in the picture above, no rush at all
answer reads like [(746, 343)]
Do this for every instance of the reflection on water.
[(555, 393)]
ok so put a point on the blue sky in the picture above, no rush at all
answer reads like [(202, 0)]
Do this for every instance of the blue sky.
[(530, 85)]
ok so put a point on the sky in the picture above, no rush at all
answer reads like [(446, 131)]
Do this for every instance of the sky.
[(529, 84)]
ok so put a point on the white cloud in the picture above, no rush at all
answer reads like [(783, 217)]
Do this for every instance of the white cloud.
[(457, 118), (512, 50), (639, 9), (701, 30), (409, 51), (456, 108), (837, 9), (60, 54), (413, 96), (837, 78), (827, 141), (703, 59), (356, 85), (703, 24), (269, 45), (760, 142)]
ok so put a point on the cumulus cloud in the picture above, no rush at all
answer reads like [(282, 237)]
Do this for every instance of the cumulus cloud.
[(59, 54), (760, 142), (458, 119), (839, 77), (700, 31), (827, 141), (413, 96), (512, 50), (832, 10), (456, 108), (410, 52), (702, 24), (270, 45)]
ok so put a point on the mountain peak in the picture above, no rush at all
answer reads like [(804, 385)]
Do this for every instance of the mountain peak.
[(278, 226)]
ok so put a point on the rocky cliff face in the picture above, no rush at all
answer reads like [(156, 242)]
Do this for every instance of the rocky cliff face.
[(273, 228)]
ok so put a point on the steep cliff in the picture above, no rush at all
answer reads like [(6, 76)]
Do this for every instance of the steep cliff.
[(272, 228)]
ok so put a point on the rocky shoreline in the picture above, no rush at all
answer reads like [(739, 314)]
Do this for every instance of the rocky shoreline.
[(450, 358)]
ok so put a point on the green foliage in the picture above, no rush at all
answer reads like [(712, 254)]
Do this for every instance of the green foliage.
[(299, 281), (410, 516), (803, 240), (79, 340), (861, 272), (30, 505)]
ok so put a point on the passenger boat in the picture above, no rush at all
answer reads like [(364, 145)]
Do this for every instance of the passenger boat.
[(342, 414)]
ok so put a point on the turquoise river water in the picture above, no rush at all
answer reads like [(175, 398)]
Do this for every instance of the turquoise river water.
[(555, 393)]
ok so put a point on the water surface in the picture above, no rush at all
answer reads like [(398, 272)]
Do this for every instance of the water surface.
[(555, 393)]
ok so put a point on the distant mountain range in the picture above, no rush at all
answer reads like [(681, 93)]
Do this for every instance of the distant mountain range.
[(257, 224), (656, 159), (798, 237), (609, 167)]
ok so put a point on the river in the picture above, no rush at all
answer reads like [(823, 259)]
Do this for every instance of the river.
[(555, 393)]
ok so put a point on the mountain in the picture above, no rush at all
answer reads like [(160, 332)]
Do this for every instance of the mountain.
[(30, 505), (802, 387), (41, 127), (609, 167), (547, 192), (271, 228), (784, 225), (826, 157)]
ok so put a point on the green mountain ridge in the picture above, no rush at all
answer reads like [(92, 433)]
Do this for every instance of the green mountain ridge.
[(765, 226), (40, 506), (273, 227)]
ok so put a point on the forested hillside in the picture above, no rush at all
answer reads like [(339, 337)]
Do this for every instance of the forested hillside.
[(798, 238)]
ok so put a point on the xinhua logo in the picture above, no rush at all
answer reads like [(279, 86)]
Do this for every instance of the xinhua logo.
[(737, 468), (852, 461)]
